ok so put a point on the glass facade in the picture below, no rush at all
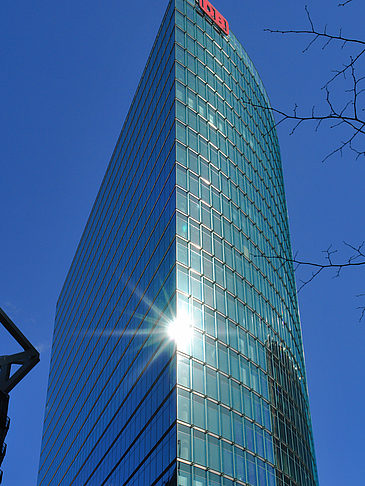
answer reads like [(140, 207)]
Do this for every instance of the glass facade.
[(177, 354), (111, 404)]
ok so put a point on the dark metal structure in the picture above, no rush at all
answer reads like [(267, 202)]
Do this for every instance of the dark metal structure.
[(27, 359)]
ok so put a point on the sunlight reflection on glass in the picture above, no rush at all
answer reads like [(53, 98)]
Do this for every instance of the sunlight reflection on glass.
[(180, 330)]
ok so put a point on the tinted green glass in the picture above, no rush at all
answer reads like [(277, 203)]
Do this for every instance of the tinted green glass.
[(177, 354)]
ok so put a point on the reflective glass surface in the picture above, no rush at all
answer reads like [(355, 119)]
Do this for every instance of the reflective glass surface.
[(243, 414), (111, 404), (177, 353)]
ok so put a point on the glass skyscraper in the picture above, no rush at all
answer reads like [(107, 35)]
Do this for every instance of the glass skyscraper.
[(177, 354)]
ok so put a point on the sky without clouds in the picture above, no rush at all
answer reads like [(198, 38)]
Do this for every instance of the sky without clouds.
[(68, 73)]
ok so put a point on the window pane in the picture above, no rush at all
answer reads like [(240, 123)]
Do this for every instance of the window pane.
[(213, 422), (210, 352), (224, 389), (183, 442), (183, 406), (199, 411), (240, 464), (214, 460), (199, 477), (227, 458), (198, 381), (183, 371), (238, 429), (199, 448), (184, 474), (226, 423)]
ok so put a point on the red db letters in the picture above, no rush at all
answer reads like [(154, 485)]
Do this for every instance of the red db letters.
[(214, 15)]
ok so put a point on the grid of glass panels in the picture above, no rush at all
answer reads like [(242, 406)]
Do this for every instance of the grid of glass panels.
[(243, 414), (111, 404), (192, 202)]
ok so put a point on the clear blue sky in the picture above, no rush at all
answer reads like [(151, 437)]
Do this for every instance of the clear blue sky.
[(68, 73)]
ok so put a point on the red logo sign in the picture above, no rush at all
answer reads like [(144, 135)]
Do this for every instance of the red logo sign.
[(213, 13)]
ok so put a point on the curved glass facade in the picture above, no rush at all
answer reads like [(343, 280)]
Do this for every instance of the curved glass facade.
[(243, 409), (177, 356)]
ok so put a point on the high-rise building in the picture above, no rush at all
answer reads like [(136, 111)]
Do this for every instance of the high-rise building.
[(177, 354)]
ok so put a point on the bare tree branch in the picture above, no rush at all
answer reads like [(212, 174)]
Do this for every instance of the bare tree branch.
[(344, 3), (362, 308), (354, 122), (351, 120), (321, 266), (317, 33), (346, 113), (345, 68), (362, 312), (358, 253), (327, 38)]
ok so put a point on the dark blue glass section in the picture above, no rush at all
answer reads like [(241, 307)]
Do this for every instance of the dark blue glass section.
[(111, 404)]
